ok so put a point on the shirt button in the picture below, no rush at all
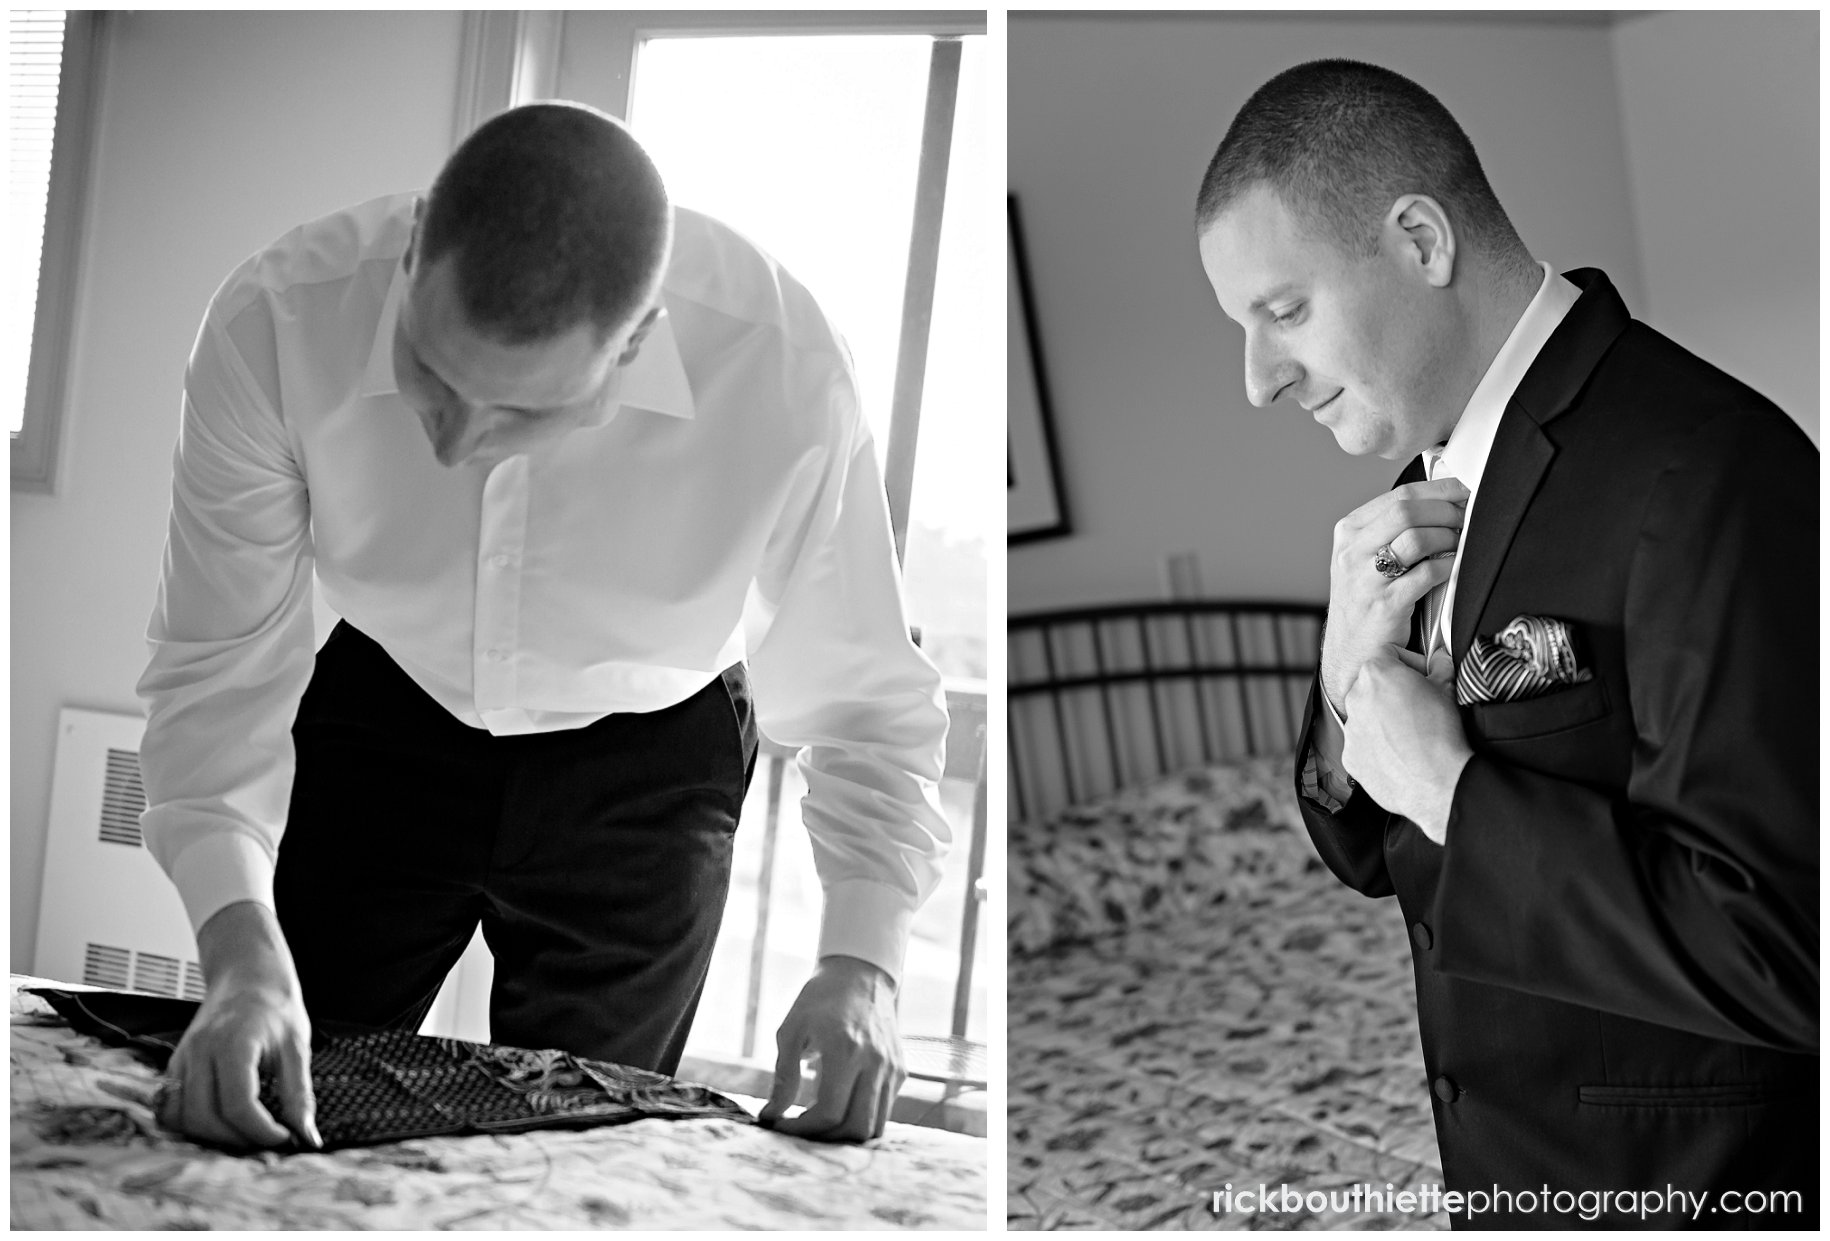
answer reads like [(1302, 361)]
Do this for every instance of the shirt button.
[(501, 560), (1420, 935), (1446, 1089), (495, 656)]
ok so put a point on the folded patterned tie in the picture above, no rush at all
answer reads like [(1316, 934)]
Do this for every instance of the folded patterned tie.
[(389, 1085), (1531, 656)]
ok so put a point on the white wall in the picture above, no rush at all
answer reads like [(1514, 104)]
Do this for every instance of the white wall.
[(1720, 113), (1112, 122), (218, 132)]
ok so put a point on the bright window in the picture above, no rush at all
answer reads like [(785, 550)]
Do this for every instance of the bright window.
[(34, 57), (49, 80), (811, 144)]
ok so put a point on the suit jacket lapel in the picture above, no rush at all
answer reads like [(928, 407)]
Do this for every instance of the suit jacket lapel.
[(1520, 455), (1523, 449)]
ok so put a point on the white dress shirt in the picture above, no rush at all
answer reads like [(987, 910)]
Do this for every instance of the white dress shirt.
[(731, 509), (1463, 456)]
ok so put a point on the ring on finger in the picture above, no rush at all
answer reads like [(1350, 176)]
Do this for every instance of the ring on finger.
[(1386, 561)]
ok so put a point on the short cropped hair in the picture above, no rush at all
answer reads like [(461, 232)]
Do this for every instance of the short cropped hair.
[(1339, 141), (555, 216)]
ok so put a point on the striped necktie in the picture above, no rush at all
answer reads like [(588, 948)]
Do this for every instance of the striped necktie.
[(1438, 595)]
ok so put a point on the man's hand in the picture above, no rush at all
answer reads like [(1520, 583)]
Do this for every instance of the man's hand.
[(1367, 610), (252, 1018), (1404, 740), (845, 1017)]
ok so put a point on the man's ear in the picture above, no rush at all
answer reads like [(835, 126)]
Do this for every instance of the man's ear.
[(419, 213), (640, 334), (646, 325), (1424, 237)]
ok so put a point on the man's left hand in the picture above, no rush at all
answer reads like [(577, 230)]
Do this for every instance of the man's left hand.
[(845, 1018), (1404, 740)]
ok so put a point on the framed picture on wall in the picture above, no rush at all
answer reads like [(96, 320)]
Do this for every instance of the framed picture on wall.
[(1037, 509)]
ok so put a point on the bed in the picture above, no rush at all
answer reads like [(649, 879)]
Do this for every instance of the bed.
[(86, 1154), (1195, 1002)]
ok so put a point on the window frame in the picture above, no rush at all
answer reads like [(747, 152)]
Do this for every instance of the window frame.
[(60, 271), (615, 38)]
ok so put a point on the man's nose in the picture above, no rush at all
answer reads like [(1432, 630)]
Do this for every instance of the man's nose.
[(1267, 372)]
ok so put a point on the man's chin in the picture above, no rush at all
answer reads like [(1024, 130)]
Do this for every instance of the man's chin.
[(1354, 443), (1359, 442)]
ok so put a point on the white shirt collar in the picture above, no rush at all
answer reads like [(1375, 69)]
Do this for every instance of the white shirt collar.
[(1464, 455), (655, 381)]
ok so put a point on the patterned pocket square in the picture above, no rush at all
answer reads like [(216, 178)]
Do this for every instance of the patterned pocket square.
[(1531, 656)]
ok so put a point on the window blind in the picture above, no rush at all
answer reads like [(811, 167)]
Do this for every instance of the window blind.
[(34, 47)]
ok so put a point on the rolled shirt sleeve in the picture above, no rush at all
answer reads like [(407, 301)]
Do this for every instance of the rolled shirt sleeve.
[(230, 636), (837, 676)]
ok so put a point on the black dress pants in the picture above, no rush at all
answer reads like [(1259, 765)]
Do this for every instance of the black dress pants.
[(596, 859)]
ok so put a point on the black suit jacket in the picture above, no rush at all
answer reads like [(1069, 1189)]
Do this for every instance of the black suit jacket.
[(1616, 948)]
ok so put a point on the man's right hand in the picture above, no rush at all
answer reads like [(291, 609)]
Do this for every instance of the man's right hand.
[(1366, 610), (252, 1019)]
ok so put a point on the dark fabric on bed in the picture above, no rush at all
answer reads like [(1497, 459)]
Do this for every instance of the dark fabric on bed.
[(387, 1085), (86, 1154)]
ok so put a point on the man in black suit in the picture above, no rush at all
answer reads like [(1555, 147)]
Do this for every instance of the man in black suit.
[(1567, 704)]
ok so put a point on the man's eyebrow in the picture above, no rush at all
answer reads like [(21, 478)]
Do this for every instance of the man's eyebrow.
[(1265, 299)]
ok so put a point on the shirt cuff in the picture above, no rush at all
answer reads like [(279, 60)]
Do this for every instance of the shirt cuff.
[(220, 870), (1323, 778), (867, 920)]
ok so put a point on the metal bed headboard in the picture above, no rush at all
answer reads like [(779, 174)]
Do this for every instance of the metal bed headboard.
[(1105, 697)]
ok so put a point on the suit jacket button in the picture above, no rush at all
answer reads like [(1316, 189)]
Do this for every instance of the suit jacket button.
[(1420, 935), (1446, 1089)]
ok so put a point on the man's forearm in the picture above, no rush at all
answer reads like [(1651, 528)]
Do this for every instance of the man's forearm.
[(242, 943)]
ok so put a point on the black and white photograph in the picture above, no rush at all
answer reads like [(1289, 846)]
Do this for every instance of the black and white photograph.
[(503, 507), (563, 676), (1413, 749)]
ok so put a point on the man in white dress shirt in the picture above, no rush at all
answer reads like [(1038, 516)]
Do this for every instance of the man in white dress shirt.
[(575, 466)]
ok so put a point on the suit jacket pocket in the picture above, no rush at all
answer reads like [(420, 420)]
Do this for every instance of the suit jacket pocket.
[(1731, 1094), (1555, 712)]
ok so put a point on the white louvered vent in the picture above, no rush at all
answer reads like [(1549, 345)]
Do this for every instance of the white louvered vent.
[(107, 915), (106, 967), (121, 969), (122, 799), (154, 973)]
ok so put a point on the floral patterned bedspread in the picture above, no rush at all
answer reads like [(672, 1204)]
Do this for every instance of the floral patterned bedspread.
[(87, 1154), (1204, 1006)]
